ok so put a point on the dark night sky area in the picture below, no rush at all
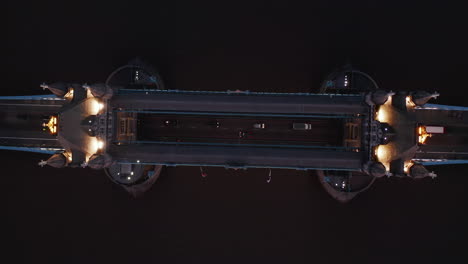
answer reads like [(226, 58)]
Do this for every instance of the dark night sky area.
[(79, 216)]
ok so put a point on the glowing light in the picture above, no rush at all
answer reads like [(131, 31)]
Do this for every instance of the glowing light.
[(100, 144), (96, 106), (128, 178), (409, 102), (383, 155), (68, 155), (69, 94), (92, 145), (380, 152), (88, 92), (407, 165), (52, 125), (423, 135), (382, 115)]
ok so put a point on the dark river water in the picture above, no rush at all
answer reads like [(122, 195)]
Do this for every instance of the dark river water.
[(79, 216)]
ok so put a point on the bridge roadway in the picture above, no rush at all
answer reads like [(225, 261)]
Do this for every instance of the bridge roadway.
[(196, 141), (453, 136), (453, 144), (239, 130), (240, 156), (242, 103), (21, 122)]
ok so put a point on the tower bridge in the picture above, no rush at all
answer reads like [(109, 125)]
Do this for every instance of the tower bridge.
[(350, 133)]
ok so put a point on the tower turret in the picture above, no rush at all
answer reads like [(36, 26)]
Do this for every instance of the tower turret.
[(59, 89), (380, 97), (420, 98), (377, 169), (57, 161), (418, 171), (100, 90), (100, 161)]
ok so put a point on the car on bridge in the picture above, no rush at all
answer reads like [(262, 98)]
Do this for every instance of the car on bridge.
[(259, 125), (171, 123), (302, 126), (214, 124)]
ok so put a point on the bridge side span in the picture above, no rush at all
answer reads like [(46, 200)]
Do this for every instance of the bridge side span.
[(243, 103), (237, 156)]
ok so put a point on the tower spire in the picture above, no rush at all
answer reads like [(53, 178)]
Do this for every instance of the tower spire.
[(59, 89)]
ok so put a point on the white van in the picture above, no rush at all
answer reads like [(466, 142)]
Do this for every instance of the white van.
[(435, 129)]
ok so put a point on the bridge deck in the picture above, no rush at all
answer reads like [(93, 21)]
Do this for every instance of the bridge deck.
[(241, 156), (320, 104), (324, 132)]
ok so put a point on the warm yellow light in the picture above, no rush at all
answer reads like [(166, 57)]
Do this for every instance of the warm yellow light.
[(407, 165), (409, 102), (382, 115), (383, 154), (380, 152), (52, 125), (69, 95), (68, 155), (92, 145), (88, 93), (100, 144), (422, 135), (96, 106)]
